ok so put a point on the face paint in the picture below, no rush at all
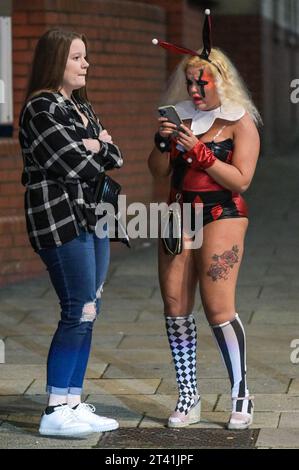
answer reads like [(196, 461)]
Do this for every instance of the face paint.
[(202, 88), (199, 83)]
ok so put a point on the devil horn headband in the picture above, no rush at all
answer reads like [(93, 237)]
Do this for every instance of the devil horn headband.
[(206, 39)]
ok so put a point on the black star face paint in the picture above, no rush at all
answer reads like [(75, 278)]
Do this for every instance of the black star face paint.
[(199, 82), (201, 87)]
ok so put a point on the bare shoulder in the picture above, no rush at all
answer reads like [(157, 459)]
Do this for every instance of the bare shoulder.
[(245, 127)]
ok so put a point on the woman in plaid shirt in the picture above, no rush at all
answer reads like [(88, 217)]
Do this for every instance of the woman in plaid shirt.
[(65, 148)]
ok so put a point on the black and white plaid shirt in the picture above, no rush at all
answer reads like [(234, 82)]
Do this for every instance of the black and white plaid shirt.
[(59, 173)]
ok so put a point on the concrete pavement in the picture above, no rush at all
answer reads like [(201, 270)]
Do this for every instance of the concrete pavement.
[(130, 375)]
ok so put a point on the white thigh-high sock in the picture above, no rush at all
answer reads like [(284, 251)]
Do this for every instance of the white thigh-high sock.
[(231, 340), (182, 337)]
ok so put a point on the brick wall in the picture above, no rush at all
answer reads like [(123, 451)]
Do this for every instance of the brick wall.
[(183, 26), (16, 257), (243, 46)]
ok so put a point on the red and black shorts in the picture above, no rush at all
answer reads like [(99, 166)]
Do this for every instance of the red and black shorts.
[(216, 205)]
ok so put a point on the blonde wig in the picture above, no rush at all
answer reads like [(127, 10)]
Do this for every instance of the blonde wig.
[(230, 86)]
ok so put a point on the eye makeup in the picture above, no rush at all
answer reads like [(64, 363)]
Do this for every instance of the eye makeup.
[(199, 83)]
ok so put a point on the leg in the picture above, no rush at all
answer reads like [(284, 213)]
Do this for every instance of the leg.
[(220, 259), (178, 278), (101, 254), (76, 292), (72, 271), (84, 411)]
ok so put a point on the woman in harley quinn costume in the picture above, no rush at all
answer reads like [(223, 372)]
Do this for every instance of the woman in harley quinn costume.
[(217, 163)]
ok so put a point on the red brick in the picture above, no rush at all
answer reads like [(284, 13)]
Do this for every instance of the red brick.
[(20, 83), (21, 239), (63, 18), (21, 57), (20, 17), (13, 223), (32, 265), (28, 31), (37, 18), (12, 175), (10, 189), (20, 45), (6, 241), (11, 202), (15, 254), (21, 70)]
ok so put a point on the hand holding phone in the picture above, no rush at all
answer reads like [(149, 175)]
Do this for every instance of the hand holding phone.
[(170, 113)]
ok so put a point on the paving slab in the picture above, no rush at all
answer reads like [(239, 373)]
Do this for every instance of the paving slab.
[(27, 437), (294, 386), (104, 386), (219, 385), (278, 438), (289, 420)]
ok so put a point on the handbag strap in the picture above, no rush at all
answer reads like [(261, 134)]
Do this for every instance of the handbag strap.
[(179, 170)]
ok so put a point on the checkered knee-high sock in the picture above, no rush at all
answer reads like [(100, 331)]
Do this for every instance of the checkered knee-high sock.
[(230, 337), (181, 332)]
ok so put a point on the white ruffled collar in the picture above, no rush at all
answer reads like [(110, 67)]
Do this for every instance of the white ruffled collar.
[(202, 121)]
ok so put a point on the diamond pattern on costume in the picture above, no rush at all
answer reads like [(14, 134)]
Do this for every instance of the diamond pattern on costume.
[(182, 337)]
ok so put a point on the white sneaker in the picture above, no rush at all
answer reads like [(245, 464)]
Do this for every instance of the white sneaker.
[(85, 413), (63, 422)]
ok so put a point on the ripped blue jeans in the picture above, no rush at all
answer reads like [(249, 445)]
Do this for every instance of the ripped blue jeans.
[(77, 270)]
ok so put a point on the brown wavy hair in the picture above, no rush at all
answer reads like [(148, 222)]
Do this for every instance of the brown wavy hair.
[(49, 62)]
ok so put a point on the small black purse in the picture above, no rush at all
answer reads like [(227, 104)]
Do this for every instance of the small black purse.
[(107, 190)]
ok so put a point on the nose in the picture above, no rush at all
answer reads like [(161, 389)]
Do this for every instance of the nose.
[(85, 64), (193, 88)]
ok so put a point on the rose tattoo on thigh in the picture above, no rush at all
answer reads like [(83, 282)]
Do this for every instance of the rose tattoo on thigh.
[(223, 263)]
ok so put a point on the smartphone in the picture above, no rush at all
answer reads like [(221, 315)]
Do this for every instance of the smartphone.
[(171, 114)]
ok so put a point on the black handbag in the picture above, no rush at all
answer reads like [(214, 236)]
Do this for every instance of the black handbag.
[(108, 190)]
